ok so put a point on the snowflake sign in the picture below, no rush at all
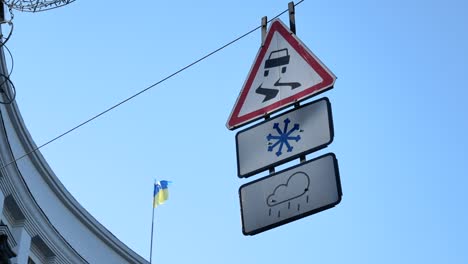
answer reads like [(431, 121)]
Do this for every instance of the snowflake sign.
[(283, 137)]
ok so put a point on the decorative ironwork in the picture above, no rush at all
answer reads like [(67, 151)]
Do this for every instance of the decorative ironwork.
[(7, 96), (36, 5), (7, 242)]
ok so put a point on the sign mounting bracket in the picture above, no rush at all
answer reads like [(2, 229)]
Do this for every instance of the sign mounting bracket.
[(264, 29), (292, 17)]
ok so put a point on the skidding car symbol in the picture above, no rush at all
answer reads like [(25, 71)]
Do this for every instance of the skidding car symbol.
[(277, 58)]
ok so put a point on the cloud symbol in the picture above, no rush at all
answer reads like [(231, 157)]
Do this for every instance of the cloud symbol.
[(296, 186)]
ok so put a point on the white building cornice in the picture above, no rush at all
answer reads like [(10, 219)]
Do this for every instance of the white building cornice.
[(50, 211)]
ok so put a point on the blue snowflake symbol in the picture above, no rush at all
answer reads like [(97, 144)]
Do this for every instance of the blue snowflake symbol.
[(283, 137)]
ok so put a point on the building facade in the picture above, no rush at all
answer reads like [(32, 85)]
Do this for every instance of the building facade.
[(40, 221)]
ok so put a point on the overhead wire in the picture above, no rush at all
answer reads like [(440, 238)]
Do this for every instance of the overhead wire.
[(144, 90)]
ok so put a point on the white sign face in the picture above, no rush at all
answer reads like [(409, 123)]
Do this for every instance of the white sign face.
[(284, 71), (288, 136), (289, 195)]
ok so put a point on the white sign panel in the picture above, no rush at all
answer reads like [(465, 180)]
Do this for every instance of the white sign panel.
[(285, 137), (285, 71), (289, 195)]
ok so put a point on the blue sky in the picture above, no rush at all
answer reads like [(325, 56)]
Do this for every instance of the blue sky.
[(398, 105)]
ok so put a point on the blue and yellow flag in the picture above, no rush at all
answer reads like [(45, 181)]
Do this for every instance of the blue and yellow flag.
[(161, 193)]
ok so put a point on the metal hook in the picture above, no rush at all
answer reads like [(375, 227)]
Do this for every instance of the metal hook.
[(292, 17)]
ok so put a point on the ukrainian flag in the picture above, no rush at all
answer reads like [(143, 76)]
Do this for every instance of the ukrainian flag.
[(161, 193)]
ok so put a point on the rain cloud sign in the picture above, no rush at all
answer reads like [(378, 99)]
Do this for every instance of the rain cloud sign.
[(296, 186), (294, 193)]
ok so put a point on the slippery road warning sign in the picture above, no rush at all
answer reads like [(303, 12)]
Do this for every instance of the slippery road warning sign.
[(285, 71)]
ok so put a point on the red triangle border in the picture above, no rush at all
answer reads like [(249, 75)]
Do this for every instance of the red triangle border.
[(328, 78)]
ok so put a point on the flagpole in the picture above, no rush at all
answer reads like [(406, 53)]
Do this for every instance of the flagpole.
[(160, 194), (151, 246)]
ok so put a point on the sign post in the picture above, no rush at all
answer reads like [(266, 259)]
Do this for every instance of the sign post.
[(284, 73)]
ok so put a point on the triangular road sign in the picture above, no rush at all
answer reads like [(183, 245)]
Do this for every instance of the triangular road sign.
[(285, 71)]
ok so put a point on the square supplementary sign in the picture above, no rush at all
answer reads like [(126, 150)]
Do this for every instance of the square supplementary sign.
[(285, 137), (291, 194)]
